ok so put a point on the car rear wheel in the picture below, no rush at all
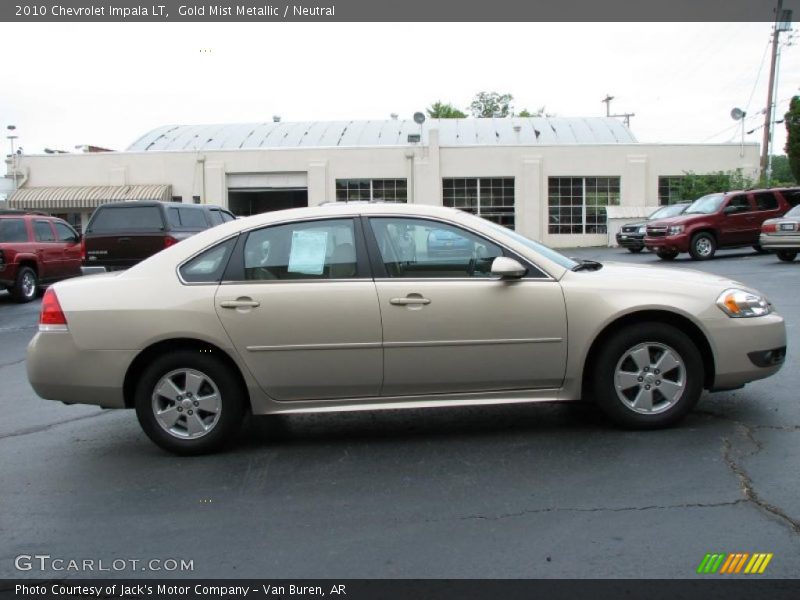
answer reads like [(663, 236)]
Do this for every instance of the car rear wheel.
[(189, 402), (648, 376), (635, 250), (786, 255), (26, 285), (666, 255), (703, 246)]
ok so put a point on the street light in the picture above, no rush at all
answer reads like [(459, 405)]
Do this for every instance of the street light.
[(11, 137)]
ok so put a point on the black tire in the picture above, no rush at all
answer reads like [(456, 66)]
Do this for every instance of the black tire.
[(232, 402), (666, 255), (660, 337), (25, 286), (635, 250), (786, 255), (703, 246), (758, 248)]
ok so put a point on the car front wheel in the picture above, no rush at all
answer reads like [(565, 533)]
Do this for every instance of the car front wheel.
[(648, 376), (666, 255), (786, 255), (703, 246), (189, 402), (25, 286), (635, 249)]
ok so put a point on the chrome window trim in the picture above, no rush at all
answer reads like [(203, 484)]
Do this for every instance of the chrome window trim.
[(198, 253)]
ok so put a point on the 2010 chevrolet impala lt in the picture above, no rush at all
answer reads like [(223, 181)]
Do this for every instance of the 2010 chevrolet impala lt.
[(381, 306)]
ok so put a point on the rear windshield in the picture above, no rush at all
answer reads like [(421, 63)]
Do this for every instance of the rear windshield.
[(13, 230), (126, 218)]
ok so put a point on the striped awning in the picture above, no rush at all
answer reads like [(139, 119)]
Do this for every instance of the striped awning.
[(83, 197)]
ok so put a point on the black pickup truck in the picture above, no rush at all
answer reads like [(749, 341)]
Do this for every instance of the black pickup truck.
[(121, 234)]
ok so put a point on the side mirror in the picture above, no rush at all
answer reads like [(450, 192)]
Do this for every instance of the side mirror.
[(730, 210), (507, 268)]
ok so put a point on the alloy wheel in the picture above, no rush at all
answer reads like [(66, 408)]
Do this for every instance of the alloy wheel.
[(650, 378), (186, 403)]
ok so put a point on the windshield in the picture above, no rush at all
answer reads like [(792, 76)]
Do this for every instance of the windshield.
[(548, 253), (795, 212), (706, 205), (668, 211)]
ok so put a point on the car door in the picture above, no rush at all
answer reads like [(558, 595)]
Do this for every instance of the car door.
[(48, 250), (736, 227), (300, 306), (69, 240), (448, 325)]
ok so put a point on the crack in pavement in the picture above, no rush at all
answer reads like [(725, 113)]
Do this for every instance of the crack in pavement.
[(599, 509), (39, 428), (11, 364)]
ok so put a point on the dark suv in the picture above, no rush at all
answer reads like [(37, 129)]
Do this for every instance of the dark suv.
[(121, 234), (723, 220), (36, 250)]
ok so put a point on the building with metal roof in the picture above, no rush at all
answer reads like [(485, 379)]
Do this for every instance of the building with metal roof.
[(550, 178)]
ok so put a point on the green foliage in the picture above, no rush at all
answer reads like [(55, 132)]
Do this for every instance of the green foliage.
[(692, 185), (782, 172), (444, 110), (792, 120), (539, 113), (491, 104)]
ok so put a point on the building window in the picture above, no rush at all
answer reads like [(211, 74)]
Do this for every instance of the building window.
[(669, 189), (578, 204), (489, 197), (177, 199), (379, 190)]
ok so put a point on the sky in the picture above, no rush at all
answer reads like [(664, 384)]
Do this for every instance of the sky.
[(107, 84)]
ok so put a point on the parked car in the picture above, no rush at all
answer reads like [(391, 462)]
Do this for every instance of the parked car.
[(631, 235), (36, 250), (445, 242), (724, 220), (121, 234), (782, 236), (320, 312)]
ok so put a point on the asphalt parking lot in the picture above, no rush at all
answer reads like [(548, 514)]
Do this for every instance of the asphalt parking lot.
[(493, 492)]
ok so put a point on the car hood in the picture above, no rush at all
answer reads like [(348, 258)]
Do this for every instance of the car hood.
[(638, 224), (677, 220)]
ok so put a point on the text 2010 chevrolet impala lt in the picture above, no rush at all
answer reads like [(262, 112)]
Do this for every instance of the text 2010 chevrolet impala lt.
[(370, 306)]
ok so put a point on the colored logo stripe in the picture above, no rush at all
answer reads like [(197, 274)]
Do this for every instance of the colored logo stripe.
[(734, 563)]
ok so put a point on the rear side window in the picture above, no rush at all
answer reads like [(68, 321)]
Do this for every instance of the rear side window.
[(792, 197), (208, 266), (765, 201), (126, 218), (65, 233), (215, 216), (43, 231), (193, 218), (13, 230)]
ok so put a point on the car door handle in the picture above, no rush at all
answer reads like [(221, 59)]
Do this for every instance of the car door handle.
[(240, 303), (409, 300)]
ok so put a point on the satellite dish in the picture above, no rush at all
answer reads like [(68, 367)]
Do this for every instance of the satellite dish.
[(737, 114), (419, 118)]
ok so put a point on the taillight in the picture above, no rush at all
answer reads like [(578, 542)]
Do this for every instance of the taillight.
[(769, 227), (52, 318), (83, 249), (169, 241)]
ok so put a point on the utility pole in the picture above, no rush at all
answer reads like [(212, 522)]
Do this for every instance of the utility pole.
[(627, 116), (781, 24), (607, 101)]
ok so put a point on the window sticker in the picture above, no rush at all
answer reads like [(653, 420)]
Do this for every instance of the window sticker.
[(308, 252)]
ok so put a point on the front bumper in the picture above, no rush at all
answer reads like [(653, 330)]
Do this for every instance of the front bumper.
[(59, 370), (670, 243), (630, 240), (740, 345), (779, 242)]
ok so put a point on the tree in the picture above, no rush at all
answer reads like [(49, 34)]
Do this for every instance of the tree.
[(442, 110), (693, 185), (792, 119), (781, 171), (539, 113), (492, 104)]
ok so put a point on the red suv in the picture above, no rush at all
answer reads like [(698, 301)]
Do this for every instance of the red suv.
[(36, 250), (724, 220)]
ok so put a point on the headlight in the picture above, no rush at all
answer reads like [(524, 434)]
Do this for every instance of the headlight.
[(642, 229), (738, 303), (675, 229)]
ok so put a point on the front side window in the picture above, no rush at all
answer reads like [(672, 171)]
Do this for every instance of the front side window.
[(208, 266), (740, 203), (305, 250), (491, 198), (420, 248), (43, 231), (578, 204), (366, 190)]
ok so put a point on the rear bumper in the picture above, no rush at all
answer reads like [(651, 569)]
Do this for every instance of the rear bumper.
[(779, 242), (670, 243), (746, 349), (59, 370)]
